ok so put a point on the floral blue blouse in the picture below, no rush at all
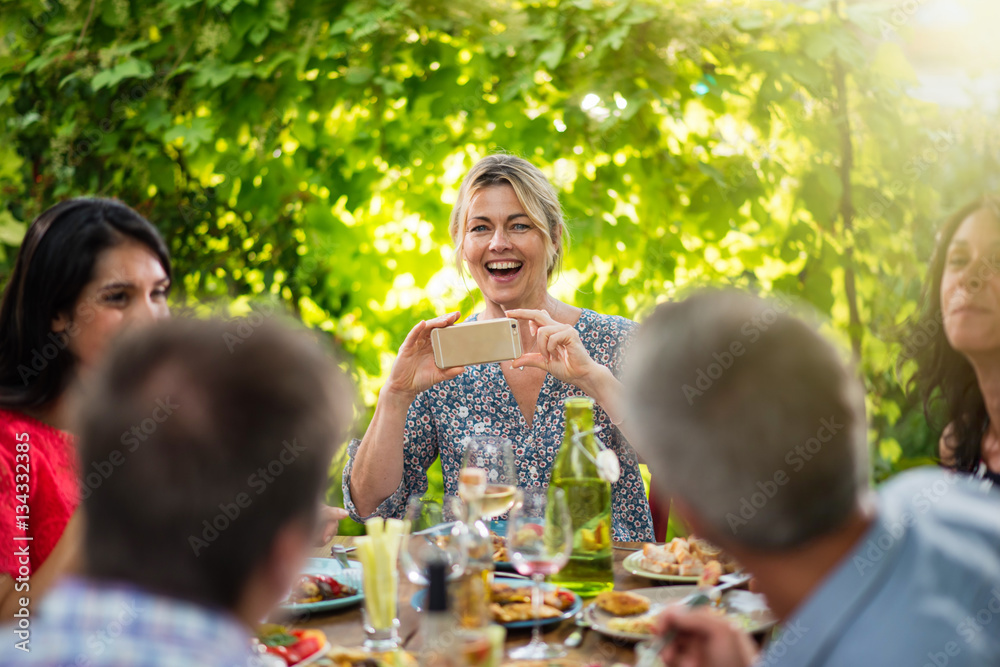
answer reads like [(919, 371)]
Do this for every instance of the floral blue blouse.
[(479, 401)]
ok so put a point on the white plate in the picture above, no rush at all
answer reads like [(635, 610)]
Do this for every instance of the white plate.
[(751, 608), (633, 563)]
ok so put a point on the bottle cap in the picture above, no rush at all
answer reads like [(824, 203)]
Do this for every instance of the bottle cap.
[(608, 467), (437, 586)]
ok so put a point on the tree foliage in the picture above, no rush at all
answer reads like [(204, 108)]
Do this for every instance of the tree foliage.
[(310, 152)]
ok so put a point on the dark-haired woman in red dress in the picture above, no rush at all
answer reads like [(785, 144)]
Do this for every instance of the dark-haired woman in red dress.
[(86, 270)]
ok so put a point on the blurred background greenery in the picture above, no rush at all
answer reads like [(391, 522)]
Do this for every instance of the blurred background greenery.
[(310, 152)]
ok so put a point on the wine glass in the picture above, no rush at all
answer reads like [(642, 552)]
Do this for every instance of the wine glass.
[(539, 541), (494, 455), (429, 536)]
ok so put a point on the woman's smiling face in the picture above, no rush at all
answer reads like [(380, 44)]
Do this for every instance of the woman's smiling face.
[(504, 250)]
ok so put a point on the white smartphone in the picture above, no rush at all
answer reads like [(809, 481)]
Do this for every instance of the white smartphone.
[(478, 342)]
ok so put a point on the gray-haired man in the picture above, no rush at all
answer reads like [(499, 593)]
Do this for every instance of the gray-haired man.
[(770, 461)]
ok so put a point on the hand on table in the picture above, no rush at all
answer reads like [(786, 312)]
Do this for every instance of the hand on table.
[(558, 349), (704, 639), (414, 369), (327, 523)]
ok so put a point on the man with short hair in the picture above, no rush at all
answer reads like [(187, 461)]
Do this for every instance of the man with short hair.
[(755, 427), (218, 459)]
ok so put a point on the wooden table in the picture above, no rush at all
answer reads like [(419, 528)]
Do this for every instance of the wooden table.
[(343, 627)]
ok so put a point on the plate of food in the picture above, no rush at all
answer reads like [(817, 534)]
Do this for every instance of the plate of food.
[(279, 645), (682, 560), (631, 615), (325, 585), (510, 604)]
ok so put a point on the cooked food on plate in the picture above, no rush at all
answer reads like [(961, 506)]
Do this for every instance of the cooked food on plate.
[(319, 588), (622, 603), (499, 548), (509, 604), (637, 625), (691, 557), (646, 624), (357, 657), (520, 611)]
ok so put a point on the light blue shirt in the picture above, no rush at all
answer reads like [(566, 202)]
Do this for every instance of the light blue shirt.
[(922, 588), (87, 624)]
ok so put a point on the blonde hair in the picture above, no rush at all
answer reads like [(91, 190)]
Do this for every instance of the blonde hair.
[(533, 191)]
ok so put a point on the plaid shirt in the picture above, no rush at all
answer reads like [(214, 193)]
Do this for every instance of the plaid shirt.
[(83, 623)]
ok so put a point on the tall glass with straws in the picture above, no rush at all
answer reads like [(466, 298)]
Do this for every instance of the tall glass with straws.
[(378, 552)]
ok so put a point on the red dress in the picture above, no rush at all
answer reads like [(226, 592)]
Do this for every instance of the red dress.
[(53, 488)]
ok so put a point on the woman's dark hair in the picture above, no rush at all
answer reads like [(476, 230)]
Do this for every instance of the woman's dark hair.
[(55, 262), (944, 375)]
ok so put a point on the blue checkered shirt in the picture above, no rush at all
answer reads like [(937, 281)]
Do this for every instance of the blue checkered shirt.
[(81, 623)]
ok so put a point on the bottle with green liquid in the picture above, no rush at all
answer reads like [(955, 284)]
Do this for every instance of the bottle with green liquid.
[(588, 571)]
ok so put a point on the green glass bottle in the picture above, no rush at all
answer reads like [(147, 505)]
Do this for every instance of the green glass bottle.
[(588, 571)]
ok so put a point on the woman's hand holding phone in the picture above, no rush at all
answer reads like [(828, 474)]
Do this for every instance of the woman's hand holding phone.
[(558, 350), (414, 370)]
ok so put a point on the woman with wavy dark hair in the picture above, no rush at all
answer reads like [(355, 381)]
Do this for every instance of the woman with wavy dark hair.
[(956, 342), (86, 269)]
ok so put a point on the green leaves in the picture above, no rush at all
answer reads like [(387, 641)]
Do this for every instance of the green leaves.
[(191, 136), (131, 68), (311, 151), (11, 231)]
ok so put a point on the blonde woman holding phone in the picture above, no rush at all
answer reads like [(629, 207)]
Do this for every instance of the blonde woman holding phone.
[(509, 234)]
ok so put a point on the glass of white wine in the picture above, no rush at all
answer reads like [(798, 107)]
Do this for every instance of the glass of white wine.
[(495, 455)]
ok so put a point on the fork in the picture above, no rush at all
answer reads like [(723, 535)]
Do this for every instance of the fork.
[(576, 637), (698, 599), (339, 552)]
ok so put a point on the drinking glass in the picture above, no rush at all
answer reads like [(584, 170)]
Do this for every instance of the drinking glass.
[(429, 537), (539, 541), (496, 456), (378, 552)]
